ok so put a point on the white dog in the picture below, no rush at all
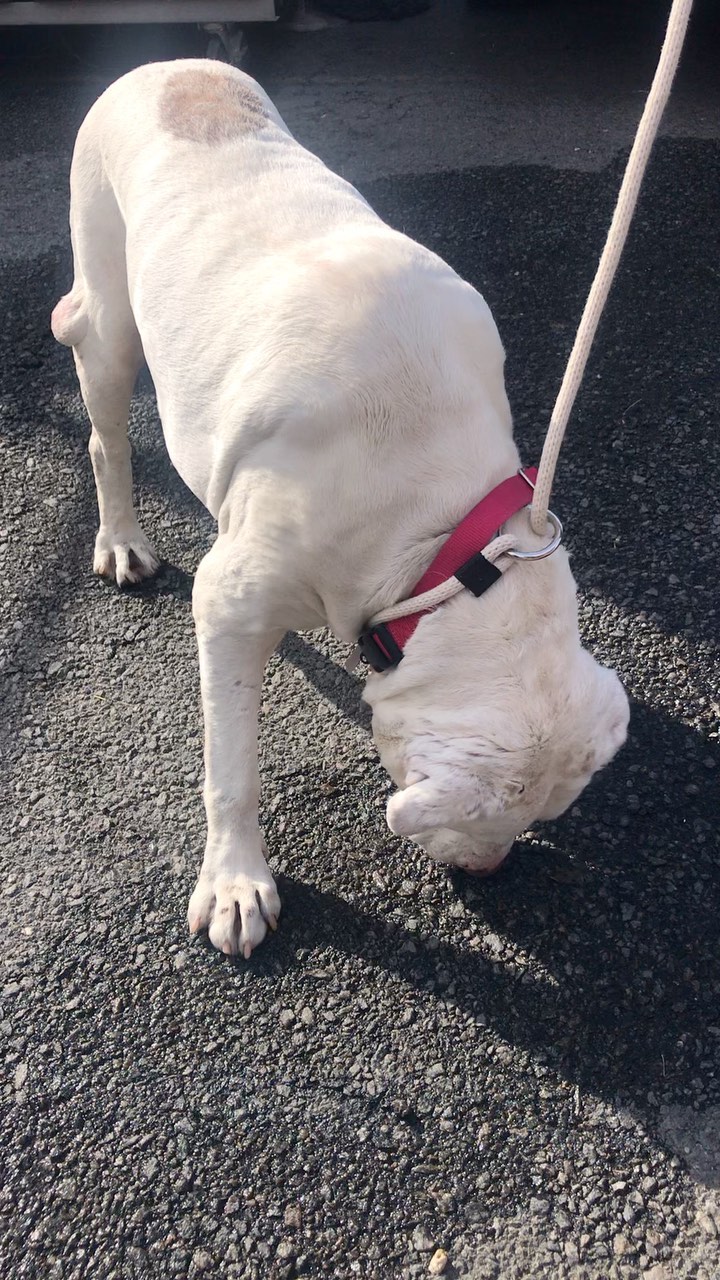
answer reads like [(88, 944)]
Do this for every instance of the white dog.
[(333, 393)]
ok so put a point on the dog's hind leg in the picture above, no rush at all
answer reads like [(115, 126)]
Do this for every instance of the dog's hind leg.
[(96, 320)]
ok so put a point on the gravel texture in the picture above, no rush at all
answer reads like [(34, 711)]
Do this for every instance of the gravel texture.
[(420, 1074)]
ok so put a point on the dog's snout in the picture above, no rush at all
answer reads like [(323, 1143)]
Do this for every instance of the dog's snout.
[(485, 863)]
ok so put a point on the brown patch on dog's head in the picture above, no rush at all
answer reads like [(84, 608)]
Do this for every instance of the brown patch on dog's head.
[(210, 107)]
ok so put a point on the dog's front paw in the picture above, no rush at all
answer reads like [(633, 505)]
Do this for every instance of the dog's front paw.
[(126, 556), (236, 911)]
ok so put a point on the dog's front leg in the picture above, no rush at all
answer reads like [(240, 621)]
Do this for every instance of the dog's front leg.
[(235, 897)]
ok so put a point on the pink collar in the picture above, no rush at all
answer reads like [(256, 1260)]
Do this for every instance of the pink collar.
[(383, 645)]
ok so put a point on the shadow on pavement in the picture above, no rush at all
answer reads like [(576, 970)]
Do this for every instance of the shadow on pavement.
[(616, 924)]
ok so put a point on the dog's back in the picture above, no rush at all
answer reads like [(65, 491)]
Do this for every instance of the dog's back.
[(254, 279), (189, 195)]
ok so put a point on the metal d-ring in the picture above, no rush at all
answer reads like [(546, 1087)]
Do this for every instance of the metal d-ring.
[(549, 547)]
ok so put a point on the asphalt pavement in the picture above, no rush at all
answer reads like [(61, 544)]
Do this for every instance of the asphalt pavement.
[(522, 1073)]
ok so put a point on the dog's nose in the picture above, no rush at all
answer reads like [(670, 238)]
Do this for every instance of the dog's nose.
[(488, 866)]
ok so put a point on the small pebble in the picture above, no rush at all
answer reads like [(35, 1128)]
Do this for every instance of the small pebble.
[(707, 1224), (292, 1216), (421, 1241), (438, 1262)]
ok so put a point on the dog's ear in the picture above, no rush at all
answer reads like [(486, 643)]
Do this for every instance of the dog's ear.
[(416, 808), (446, 799)]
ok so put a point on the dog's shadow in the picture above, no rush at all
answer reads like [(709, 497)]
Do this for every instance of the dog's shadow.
[(602, 959), (171, 580), (332, 681)]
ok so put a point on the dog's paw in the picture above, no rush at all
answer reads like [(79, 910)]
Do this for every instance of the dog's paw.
[(126, 556), (235, 911)]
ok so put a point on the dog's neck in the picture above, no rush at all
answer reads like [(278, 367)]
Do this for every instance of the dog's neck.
[(398, 571), (526, 620)]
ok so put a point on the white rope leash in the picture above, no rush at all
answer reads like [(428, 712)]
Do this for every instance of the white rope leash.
[(495, 552), (614, 245)]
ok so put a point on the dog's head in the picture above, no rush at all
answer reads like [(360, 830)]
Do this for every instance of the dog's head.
[(510, 731)]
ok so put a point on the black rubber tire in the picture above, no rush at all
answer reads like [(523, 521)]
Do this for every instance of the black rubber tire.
[(374, 10)]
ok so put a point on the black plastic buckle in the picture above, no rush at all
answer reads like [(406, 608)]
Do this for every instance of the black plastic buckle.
[(378, 648), (477, 574)]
